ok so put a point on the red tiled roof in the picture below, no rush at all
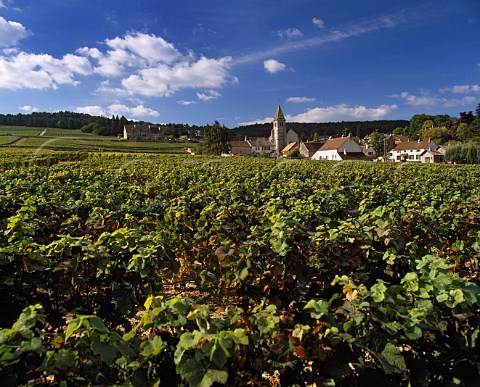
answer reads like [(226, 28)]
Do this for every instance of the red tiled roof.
[(334, 143), (411, 145), (240, 144), (290, 147), (313, 145), (258, 141)]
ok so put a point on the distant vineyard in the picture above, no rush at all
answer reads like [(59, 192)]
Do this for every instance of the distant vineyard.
[(139, 270)]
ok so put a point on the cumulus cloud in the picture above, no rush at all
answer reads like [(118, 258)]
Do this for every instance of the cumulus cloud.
[(414, 100), (427, 100), (289, 33), (139, 111), (163, 80), (23, 70), (11, 32), (134, 50), (273, 66), (208, 95), (93, 110), (342, 112), (318, 22), (28, 108), (462, 89), (299, 99)]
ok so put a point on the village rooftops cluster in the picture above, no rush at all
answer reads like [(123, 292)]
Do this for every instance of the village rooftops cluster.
[(281, 143)]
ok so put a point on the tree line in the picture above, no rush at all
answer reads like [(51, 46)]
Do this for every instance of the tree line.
[(307, 131), (93, 124)]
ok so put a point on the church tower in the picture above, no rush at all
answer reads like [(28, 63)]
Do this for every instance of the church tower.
[(279, 132)]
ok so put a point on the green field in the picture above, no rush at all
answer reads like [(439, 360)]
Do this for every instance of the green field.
[(19, 131), (133, 268), (6, 140), (66, 139)]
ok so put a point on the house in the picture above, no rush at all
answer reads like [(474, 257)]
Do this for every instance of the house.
[(308, 149), (240, 148), (137, 132), (261, 145), (341, 148), (368, 150), (432, 157), (290, 147), (411, 150)]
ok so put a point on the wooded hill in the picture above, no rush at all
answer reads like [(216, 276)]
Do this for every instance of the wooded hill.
[(306, 131), (114, 126)]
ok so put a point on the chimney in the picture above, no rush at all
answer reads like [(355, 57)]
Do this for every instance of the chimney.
[(418, 140), (345, 151), (245, 138)]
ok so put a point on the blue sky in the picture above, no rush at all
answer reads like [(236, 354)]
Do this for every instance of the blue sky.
[(190, 61)]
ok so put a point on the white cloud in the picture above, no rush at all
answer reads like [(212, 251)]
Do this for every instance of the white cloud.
[(299, 99), (208, 95), (289, 33), (414, 100), (32, 71), (139, 111), (136, 111), (93, 110), (273, 66), (149, 47), (427, 100), (135, 50), (28, 108), (163, 80), (318, 22), (186, 103), (11, 32), (462, 89), (342, 112)]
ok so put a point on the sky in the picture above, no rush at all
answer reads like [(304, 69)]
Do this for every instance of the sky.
[(194, 62)]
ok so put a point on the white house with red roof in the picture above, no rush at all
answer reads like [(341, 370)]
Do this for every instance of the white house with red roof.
[(413, 151), (340, 148)]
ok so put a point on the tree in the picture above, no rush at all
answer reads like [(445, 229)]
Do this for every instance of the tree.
[(415, 125), (467, 118), (437, 135), (375, 140), (216, 139)]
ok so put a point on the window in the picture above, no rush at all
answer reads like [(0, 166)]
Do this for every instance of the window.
[(410, 157), (398, 158)]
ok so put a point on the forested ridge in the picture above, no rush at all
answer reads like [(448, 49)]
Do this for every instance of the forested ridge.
[(306, 130)]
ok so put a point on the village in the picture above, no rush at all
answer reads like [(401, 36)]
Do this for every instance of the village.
[(286, 143), (283, 142)]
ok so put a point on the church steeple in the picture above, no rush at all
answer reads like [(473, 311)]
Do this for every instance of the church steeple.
[(279, 114), (279, 132)]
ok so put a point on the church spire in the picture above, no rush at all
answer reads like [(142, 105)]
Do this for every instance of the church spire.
[(279, 114), (279, 131)]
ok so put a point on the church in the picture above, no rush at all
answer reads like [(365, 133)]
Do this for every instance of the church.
[(272, 146)]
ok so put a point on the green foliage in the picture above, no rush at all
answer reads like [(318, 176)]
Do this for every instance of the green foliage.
[(463, 154), (216, 139), (142, 270)]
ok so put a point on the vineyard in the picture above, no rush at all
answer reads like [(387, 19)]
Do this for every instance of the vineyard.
[(138, 270)]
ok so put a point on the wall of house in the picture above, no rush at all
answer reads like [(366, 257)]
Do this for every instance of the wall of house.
[(326, 155)]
